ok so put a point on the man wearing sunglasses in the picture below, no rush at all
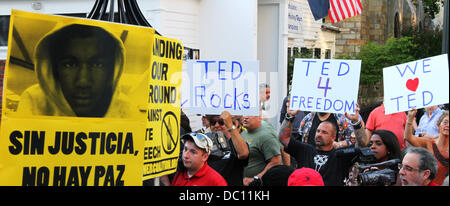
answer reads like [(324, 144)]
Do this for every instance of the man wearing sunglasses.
[(230, 151)]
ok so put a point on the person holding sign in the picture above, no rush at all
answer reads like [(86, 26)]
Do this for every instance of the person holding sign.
[(230, 151), (323, 157), (78, 68), (309, 124), (439, 146)]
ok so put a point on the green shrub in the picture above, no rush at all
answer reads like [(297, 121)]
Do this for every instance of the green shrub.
[(375, 57), (429, 41)]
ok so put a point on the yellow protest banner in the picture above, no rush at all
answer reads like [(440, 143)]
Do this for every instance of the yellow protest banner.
[(76, 106), (162, 143), (48, 152)]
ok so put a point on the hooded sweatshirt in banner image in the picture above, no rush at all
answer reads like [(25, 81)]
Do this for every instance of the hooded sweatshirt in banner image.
[(78, 68)]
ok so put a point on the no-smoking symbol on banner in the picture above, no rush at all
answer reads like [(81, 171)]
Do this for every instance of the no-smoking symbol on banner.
[(170, 132)]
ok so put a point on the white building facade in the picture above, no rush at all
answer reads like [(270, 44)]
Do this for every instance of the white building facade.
[(313, 35)]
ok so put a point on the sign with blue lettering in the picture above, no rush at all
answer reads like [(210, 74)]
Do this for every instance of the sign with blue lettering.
[(419, 84), (213, 86), (325, 85)]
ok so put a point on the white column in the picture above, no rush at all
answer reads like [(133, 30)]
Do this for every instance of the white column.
[(272, 52)]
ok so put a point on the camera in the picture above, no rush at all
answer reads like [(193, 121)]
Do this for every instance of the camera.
[(360, 155), (377, 178), (363, 159), (387, 176)]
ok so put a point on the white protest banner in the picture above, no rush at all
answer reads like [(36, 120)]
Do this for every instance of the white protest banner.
[(213, 86), (325, 85), (419, 84)]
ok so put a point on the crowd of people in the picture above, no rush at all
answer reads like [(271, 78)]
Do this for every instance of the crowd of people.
[(315, 149)]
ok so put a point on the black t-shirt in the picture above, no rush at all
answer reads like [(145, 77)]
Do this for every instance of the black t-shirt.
[(333, 169), (229, 166)]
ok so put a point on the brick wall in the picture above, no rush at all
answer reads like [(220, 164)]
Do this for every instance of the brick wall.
[(370, 26), (348, 41), (375, 24), (355, 32)]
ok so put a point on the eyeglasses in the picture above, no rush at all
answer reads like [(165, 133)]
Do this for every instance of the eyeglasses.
[(214, 121), (444, 123), (407, 168)]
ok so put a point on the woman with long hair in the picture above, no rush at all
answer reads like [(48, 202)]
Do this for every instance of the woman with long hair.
[(385, 145)]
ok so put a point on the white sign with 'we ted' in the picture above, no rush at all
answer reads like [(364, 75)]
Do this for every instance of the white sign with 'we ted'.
[(417, 84)]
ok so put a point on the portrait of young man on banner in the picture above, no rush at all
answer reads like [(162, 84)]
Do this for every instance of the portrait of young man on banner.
[(76, 101), (77, 72), (78, 68)]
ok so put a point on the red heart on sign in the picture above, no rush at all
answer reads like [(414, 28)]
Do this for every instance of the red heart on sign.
[(412, 84)]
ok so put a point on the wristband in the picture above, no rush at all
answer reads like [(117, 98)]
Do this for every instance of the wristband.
[(232, 128), (289, 118), (357, 125)]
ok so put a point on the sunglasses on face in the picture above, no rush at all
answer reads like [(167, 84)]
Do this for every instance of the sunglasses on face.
[(214, 121)]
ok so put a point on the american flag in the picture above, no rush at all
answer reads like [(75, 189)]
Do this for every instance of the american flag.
[(342, 9)]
